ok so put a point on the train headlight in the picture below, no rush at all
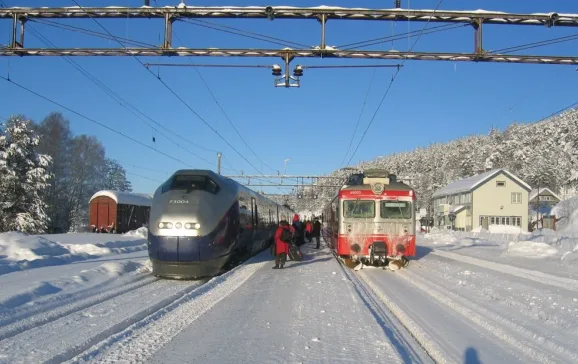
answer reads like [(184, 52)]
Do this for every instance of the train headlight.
[(188, 226), (169, 225), (197, 226), (161, 225), (178, 225)]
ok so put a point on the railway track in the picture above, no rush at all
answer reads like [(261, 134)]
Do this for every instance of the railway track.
[(82, 325), (16, 321), (432, 313)]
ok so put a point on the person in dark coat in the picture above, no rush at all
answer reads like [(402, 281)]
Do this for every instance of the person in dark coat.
[(299, 230), (316, 231), (281, 245)]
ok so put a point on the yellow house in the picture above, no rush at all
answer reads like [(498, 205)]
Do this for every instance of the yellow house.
[(496, 197)]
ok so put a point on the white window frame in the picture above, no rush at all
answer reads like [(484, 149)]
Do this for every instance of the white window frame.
[(516, 197)]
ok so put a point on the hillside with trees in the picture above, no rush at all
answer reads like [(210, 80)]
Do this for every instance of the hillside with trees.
[(544, 154), (49, 175)]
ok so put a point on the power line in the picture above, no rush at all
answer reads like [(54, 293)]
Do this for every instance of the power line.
[(389, 87), (90, 32), (537, 44), (225, 113), (122, 102), (145, 168), (360, 113), (380, 40), (138, 175), (551, 118), (172, 91), (90, 119), (240, 32)]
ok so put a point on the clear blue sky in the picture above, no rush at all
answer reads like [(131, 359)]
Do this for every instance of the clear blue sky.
[(429, 102)]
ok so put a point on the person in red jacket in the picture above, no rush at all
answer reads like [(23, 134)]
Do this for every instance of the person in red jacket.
[(282, 240), (308, 228)]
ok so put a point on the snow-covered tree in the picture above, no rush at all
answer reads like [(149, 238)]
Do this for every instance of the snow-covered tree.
[(24, 179), (115, 177), (56, 140)]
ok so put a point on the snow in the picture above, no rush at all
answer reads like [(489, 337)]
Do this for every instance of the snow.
[(467, 297), (567, 213), (468, 184), (126, 198), (530, 249), (20, 251)]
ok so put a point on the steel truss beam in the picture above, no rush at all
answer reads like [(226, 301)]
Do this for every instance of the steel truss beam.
[(322, 14), (357, 54), (286, 12)]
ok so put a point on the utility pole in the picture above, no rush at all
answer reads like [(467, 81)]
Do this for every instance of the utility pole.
[(219, 155)]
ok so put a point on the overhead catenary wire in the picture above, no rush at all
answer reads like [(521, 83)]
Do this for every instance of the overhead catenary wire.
[(362, 109), (239, 32), (143, 177), (389, 88), (550, 118), (90, 119), (536, 44), (225, 113), (400, 36), (122, 102), (72, 28), (174, 94)]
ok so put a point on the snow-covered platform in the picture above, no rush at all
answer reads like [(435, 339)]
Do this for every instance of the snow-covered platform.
[(309, 312)]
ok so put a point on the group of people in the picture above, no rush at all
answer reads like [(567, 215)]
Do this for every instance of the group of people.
[(288, 237)]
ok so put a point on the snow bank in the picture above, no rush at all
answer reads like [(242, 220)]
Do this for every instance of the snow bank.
[(43, 292), (530, 249), (141, 232), (557, 246), (19, 251), (567, 213)]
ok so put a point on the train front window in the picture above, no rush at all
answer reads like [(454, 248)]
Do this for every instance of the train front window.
[(190, 183), (359, 209), (395, 210)]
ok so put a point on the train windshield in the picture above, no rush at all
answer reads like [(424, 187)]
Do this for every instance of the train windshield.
[(191, 183), (359, 209), (395, 210)]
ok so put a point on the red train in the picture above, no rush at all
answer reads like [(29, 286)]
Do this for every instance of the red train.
[(372, 219)]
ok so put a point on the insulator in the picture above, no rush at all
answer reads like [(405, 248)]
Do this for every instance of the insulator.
[(298, 71), (276, 70), (397, 4)]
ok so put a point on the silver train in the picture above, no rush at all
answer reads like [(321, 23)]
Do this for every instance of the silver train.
[(200, 221)]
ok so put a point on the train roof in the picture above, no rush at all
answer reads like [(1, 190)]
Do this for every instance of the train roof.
[(125, 198), (220, 178), (396, 186)]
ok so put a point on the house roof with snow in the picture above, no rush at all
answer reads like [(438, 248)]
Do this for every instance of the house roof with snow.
[(543, 191), (470, 183), (126, 198)]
